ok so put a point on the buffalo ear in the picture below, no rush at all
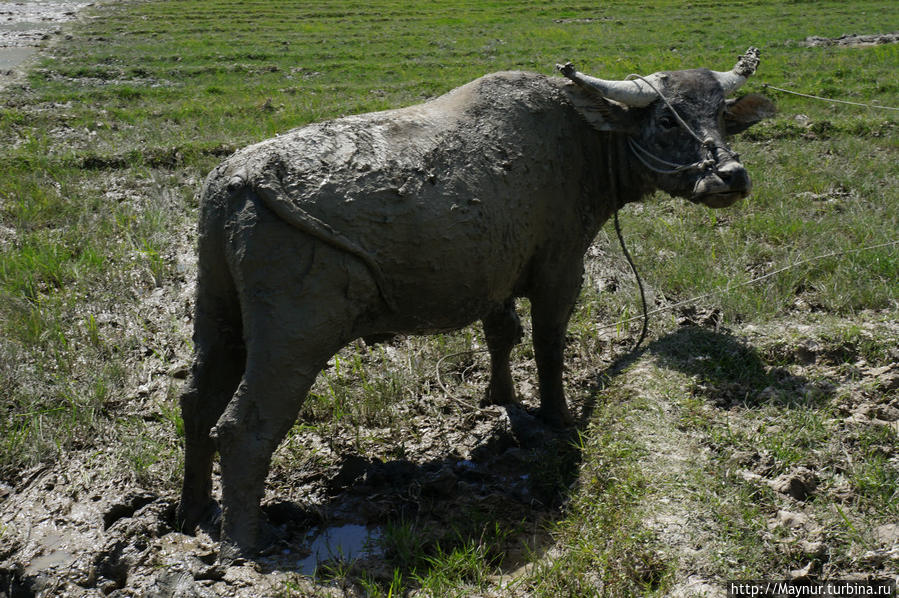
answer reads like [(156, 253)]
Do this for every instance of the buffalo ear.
[(600, 113), (743, 112)]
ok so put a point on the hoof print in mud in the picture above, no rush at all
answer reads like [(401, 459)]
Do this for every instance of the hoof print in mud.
[(127, 507)]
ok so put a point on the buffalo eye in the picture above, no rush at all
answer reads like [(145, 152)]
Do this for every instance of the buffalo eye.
[(667, 122)]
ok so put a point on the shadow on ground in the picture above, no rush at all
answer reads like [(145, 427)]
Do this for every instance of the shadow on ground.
[(499, 500)]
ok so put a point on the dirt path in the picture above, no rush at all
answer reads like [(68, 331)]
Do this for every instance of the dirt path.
[(675, 460)]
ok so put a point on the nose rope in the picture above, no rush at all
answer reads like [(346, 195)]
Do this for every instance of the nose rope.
[(638, 149), (711, 161)]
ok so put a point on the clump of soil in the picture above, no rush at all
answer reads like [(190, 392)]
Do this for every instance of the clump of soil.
[(852, 39)]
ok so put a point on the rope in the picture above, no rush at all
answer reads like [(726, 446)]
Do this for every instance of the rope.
[(639, 284), (446, 390), (806, 95), (670, 107), (638, 149), (749, 282)]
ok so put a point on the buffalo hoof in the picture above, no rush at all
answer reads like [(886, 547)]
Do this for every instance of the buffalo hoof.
[(500, 396), (190, 516), (233, 553), (556, 417)]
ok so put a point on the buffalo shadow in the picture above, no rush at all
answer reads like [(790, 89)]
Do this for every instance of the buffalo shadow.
[(517, 478)]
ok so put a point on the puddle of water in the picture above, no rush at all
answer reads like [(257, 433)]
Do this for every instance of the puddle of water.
[(12, 57), (23, 25), (342, 542), (57, 558), (10, 25)]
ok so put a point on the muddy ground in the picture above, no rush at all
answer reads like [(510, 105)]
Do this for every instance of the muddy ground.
[(25, 26), (852, 40), (81, 527)]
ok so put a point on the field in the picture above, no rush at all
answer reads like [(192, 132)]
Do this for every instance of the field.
[(754, 435)]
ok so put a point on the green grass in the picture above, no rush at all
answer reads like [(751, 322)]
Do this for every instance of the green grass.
[(105, 146)]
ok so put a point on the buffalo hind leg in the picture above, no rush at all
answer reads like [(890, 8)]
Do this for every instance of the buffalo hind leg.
[(288, 343), (502, 328), (215, 374), (257, 419)]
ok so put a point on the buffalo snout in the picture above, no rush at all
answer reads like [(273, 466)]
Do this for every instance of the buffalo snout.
[(723, 186)]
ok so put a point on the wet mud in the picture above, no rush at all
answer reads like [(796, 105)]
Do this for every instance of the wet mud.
[(69, 531), (25, 26)]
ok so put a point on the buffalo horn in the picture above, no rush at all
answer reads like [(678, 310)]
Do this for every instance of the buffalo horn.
[(635, 93), (734, 78)]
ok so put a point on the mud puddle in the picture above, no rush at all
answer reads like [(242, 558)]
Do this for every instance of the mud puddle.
[(24, 26), (74, 531), (343, 543), (13, 57)]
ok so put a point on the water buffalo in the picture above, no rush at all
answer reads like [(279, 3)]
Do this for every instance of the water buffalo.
[(425, 219)]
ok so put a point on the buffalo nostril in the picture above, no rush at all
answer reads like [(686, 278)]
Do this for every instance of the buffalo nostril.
[(734, 176)]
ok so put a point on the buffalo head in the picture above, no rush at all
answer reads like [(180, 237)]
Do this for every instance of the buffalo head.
[(677, 123)]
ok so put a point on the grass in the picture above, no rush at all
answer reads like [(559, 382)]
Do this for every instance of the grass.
[(104, 148)]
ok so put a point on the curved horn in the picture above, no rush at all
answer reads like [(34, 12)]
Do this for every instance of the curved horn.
[(630, 93), (745, 67)]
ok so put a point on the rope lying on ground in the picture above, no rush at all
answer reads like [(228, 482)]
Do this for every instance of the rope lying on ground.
[(806, 95), (749, 282)]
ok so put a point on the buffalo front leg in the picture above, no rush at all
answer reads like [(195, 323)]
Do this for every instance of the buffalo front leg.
[(502, 328), (551, 308)]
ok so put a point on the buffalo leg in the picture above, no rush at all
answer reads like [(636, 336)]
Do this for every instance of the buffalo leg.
[(216, 372), (288, 341), (551, 308), (263, 410), (503, 331)]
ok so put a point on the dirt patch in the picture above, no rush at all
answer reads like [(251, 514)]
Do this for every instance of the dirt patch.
[(853, 40), (75, 531), (24, 26)]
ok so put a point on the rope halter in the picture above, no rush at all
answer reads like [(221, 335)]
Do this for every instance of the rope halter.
[(709, 164)]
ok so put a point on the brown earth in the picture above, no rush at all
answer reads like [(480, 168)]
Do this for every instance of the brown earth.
[(852, 39), (81, 527)]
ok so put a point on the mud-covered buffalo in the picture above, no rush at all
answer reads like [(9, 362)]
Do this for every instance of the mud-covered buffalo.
[(421, 220)]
